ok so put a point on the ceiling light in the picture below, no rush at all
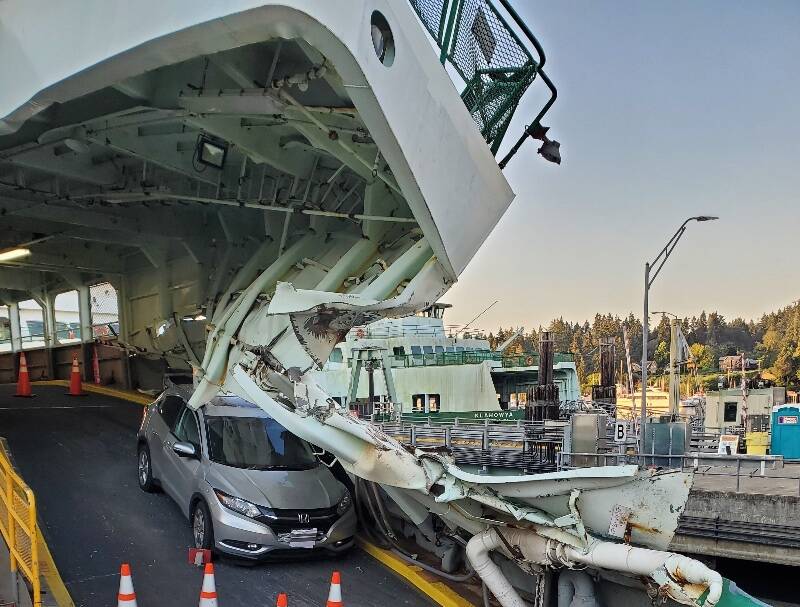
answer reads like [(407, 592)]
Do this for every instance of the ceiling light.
[(211, 151), (12, 254)]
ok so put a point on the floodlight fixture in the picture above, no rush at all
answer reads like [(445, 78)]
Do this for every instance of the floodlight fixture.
[(211, 151)]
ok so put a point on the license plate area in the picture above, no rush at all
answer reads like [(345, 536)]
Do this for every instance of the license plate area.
[(302, 538)]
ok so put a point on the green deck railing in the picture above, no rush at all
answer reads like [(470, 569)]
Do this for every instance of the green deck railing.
[(438, 359), (495, 65)]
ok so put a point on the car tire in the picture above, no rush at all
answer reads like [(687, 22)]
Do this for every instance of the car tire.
[(202, 526), (145, 469)]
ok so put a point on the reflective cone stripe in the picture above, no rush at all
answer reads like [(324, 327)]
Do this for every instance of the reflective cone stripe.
[(283, 600), (126, 596), (335, 595), (208, 594), (24, 379)]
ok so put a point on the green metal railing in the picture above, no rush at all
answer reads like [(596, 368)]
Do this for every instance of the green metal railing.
[(490, 58), (438, 359)]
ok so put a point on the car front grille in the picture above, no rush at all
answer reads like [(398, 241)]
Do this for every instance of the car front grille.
[(286, 521)]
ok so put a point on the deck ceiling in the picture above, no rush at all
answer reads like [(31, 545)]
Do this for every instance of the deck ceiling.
[(109, 182)]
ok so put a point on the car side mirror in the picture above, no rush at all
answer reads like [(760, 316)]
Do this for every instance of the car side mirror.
[(185, 449)]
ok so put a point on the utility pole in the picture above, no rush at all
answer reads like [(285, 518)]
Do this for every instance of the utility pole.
[(658, 263)]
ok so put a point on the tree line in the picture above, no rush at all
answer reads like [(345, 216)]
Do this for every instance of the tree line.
[(774, 341)]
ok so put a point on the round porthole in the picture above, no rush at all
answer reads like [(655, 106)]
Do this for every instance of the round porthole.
[(382, 38)]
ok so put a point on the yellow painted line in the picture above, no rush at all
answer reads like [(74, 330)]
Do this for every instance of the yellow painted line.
[(129, 395), (439, 593), (51, 575)]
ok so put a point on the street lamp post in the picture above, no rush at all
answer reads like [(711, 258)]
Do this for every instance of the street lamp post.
[(657, 263)]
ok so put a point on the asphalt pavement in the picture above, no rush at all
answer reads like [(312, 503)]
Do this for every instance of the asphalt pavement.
[(78, 454)]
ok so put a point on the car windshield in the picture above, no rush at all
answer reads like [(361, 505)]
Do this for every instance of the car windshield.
[(256, 443)]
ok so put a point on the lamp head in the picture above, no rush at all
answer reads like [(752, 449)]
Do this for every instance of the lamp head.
[(550, 151), (705, 218)]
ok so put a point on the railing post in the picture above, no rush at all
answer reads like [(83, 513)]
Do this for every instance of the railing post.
[(12, 540), (36, 580), (738, 469)]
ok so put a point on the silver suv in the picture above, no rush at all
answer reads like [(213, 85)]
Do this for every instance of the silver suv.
[(249, 487)]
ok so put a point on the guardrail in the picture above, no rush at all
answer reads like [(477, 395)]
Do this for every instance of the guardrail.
[(495, 65), (18, 526), (438, 359), (528, 446), (28, 552), (704, 464)]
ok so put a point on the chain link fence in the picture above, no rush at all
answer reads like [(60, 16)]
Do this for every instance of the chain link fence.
[(104, 305), (5, 329)]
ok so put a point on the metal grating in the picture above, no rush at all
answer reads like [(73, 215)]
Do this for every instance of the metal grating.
[(432, 15), (495, 65), (105, 310)]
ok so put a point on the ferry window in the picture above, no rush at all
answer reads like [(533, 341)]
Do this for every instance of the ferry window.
[(416, 350), (336, 356), (419, 403), (459, 348), (439, 349), (433, 403), (399, 351), (451, 348), (382, 38), (427, 349), (730, 412)]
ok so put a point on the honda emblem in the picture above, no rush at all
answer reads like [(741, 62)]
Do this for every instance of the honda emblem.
[(303, 517)]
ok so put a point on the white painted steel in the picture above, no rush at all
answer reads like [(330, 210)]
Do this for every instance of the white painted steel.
[(53, 52)]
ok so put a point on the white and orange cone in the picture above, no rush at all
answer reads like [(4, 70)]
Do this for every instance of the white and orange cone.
[(283, 600), (208, 593), (75, 388), (335, 595), (126, 596), (24, 381)]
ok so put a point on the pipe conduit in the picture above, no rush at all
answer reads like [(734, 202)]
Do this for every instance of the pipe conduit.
[(576, 589), (672, 572)]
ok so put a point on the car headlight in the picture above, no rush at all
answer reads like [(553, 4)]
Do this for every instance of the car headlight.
[(237, 504), (344, 503)]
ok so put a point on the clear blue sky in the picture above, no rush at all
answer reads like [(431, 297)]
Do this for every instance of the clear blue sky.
[(665, 110)]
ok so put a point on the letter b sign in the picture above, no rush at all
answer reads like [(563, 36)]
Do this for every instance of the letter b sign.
[(620, 432)]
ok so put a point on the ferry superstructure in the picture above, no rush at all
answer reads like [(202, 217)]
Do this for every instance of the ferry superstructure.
[(261, 177)]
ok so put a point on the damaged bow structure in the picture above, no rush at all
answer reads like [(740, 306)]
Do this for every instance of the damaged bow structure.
[(309, 167)]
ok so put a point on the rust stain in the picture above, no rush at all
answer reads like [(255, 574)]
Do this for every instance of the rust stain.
[(643, 528)]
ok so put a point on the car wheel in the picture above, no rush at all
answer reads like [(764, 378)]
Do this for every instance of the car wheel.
[(202, 527), (145, 469)]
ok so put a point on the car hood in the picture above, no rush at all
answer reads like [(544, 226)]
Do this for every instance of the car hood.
[(282, 489)]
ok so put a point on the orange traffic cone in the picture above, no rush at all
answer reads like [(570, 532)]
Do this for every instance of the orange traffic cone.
[(126, 596), (208, 594), (335, 595), (75, 379), (283, 600), (24, 381)]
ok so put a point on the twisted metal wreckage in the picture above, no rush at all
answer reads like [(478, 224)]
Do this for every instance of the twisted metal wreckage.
[(263, 350)]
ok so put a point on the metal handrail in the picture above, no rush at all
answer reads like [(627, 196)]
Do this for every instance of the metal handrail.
[(688, 461), (446, 37), (469, 357), (19, 527)]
